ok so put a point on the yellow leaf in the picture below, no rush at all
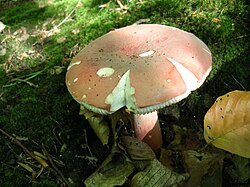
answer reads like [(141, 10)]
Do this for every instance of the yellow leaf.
[(25, 166), (41, 161), (40, 155), (98, 124), (227, 123)]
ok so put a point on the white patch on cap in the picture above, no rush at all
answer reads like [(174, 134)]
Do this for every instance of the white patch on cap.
[(84, 97), (147, 53), (188, 77), (122, 95), (105, 72), (76, 79), (72, 64)]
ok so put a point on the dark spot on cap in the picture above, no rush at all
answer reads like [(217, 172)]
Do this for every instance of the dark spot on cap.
[(209, 127)]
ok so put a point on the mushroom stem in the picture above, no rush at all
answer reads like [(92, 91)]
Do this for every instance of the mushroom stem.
[(147, 129)]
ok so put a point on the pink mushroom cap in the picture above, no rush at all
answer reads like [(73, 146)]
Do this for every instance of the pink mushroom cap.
[(140, 67)]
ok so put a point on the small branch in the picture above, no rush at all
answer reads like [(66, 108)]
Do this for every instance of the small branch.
[(19, 144), (65, 19), (31, 154), (239, 83), (55, 168), (26, 79)]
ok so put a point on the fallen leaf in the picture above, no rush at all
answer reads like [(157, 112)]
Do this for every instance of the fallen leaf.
[(157, 175), (2, 26), (25, 166), (136, 149), (215, 20), (2, 51), (20, 138), (113, 171), (227, 123), (23, 56), (202, 165), (24, 37), (75, 31), (241, 169), (56, 70), (98, 124), (165, 158), (61, 40)]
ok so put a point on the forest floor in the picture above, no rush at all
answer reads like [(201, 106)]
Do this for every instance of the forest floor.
[(37, 42)]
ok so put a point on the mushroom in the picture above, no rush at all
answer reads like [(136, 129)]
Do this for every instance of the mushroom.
[(141, 67)]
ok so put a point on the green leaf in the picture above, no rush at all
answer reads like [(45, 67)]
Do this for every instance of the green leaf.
[(98, 124), (25, 166), (136, 149), (241, 170), (157, 175), (114, 171)]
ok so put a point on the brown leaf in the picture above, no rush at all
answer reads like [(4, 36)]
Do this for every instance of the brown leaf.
[(75, 31), (227, 123), (137, 149), (61, 40), (199, 165)]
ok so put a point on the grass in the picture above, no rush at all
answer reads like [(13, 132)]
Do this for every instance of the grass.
[(34, 101)]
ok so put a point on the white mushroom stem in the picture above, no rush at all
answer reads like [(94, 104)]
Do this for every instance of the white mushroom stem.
[(147, 129)]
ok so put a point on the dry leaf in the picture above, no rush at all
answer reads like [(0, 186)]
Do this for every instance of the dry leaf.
[(98, 124), (2, 26), (24, 37), (61, 40), (166, 158), (75, 31), (2, 51), (157, 175), (199, 165), (215, 20), (227, 123), (23, 56), (136, 149)]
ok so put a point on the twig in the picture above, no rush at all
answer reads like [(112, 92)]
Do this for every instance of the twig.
[(54, 167), (65, 19), (238, 83), (26, 80), (91, 155), (31, 154), (19, 144)]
